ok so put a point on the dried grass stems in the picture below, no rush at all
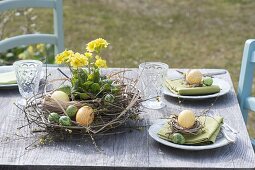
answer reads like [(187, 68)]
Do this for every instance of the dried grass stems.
[(107, 116)]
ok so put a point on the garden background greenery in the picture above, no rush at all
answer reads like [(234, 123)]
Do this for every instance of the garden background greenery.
[(181, 33)]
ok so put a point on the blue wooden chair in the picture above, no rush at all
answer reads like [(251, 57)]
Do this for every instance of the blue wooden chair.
[(246, 101), (57, 38)]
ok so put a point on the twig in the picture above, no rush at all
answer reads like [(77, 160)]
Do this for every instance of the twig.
[(63, 73)]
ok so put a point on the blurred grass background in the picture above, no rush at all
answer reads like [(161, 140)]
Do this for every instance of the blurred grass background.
[(181, 33)]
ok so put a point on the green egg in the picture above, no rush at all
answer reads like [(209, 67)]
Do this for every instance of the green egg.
[(208, 81), (65, 121), (71, 110), (53, 117), (178, 138), (109, 98)]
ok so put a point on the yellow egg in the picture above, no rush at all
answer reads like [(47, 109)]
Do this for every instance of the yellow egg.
[(85, 116), (194, 77), (61, 96), (186, 119)]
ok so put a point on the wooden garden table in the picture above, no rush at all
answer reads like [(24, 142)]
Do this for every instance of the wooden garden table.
[(131, 150)]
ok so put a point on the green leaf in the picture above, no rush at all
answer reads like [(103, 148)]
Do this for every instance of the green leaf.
[(108, 81), (84, 96), (91, 77), (106, 87), (82, 76), (75, 84), (87, 85), (96, 75), (65, 88), (115, 89), (95, 88)]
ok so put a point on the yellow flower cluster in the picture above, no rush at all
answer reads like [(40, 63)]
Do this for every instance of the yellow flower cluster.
[(97, 45), (100, 63), (28, 53), (30, 49), (64, 57), (88, 55), (78, 60), (40, 47), (74, 59)]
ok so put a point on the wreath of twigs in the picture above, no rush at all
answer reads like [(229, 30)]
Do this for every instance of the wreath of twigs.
[(125, 107), (176, 128)]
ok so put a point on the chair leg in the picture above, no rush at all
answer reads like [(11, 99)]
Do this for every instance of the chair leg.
[(253, 143), (244, 113)]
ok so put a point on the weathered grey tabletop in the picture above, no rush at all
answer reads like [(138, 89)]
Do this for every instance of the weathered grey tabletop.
[(132, 150)]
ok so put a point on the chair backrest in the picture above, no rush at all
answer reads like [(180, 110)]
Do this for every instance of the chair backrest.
[(246, 101), (57, 38)]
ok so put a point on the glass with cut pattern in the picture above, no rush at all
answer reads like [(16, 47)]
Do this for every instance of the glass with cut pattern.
[(152, 78), (28, 74)]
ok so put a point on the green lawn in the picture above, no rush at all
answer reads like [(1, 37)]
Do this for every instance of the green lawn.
[(181, 33)]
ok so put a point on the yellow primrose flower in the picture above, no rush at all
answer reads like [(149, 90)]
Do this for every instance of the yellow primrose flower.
[(68, 54), (30, 49), (97, 45), (88, 55), (100, 63), (60, 59), (91, 46), (64, 57), (101, 43), (78, 60), (22, 56), (40, 47), (97, 57)]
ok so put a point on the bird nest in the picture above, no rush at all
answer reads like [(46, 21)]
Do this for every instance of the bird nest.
[(106, 116), (176, 128)]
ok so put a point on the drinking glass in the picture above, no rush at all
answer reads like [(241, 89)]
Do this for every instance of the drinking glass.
[(28, 74), (152, 77)]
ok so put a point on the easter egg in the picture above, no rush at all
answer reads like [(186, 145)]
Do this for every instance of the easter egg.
[(186, 119), (194, 77), (178, 138), (65, 121), (85, 116), (60, 96), (208, 81), (109, 98), (71, 110), (53, 117)]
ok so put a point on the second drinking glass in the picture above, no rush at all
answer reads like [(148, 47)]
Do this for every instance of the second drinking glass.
[(152, 78), (28, 74)]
